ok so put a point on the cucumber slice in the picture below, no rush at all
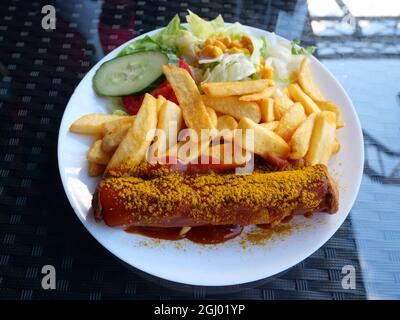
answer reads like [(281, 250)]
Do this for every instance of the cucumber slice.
[(129, 74)]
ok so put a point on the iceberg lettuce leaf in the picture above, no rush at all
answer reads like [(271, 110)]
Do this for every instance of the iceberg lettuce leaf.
[(235, 31), (167, 38), (204, 29), (232, 67), (144, 44)]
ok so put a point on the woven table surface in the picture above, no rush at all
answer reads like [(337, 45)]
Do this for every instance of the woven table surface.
[(39, 70)]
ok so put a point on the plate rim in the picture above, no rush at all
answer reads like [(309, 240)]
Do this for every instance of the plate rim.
[(308, 253)]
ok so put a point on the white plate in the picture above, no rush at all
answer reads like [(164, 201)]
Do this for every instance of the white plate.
[(218, 265)]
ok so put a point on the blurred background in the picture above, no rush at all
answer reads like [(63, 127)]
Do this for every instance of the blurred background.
[(357, 40)]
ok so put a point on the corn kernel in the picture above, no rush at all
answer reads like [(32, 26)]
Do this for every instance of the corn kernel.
[(210, 51), (234, 50), (219, 44), (247, 43), (217, 51), (226, 41), (267, 72), (206, 52), (236, 44), (208, 42), (246, 51)]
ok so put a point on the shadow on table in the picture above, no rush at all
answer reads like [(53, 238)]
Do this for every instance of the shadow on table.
[(381, 173)]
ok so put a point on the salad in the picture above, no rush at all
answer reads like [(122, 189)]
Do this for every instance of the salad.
[(211, 51)]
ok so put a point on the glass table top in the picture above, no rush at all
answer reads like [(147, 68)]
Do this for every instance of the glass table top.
[(358, 41)]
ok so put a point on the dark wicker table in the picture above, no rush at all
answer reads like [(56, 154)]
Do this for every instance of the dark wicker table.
[(38, 72)]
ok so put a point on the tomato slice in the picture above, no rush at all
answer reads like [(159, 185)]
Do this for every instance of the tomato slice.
[(132, 103), (182, 64), (165, 90)]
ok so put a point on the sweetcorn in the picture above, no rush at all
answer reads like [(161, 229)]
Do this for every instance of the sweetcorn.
[(219, 44)]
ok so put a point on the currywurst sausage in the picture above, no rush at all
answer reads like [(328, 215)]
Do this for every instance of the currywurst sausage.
[(168, 198)]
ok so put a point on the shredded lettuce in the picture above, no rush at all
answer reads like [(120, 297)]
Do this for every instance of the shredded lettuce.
[(184, 43), (211, 60), (204, 29), (263, 50), (235, 31), (167, 37), (256, 54), (166, 40), (297, 49), (188, 45), (176, 39), (232, 67), (278, 54), (144, 44)]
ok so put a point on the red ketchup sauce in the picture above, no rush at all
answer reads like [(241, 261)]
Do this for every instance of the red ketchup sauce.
[(203, 235)]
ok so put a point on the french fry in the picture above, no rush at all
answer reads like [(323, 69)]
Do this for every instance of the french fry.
[(97, 155), (298, 95), (300, 140), (160, 102), (336, 146), (92, 123), (95, 169), (234, 107), (137, 140), (265, 141), (213, 116), (270, 125), (193, 109), (111, 141), (115, 125), (290, 120), (226, 89), (226, 122), (169, 118), (226, 126), (267, 110), (307, 82), (266, 93), (281, 104), (331, 106), (322, 138), (226, 134)]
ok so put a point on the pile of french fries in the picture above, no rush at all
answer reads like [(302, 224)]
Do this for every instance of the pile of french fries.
[(296, 123)]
